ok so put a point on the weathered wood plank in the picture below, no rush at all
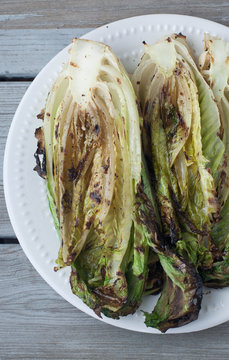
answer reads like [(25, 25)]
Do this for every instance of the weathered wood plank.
[(88, 13), (11, 94), (23, 53), (36, 323)]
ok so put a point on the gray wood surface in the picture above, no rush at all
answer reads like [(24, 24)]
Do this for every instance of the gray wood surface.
[(25, 54), (90, 13), (35, 322), (10, 96)]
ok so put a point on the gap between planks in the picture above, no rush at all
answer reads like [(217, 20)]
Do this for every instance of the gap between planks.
[(8, 241)]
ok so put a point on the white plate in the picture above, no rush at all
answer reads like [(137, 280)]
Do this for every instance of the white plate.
[(25, 190)]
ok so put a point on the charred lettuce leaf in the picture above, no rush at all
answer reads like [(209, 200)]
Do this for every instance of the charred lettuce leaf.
[(181, 296), (218, 275), (178, 304), (165, 82), (195, 250), (180, 121), (212, 146), (214, 67), (93, 168)]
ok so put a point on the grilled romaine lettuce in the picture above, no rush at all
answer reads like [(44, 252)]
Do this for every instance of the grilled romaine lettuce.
[(93, 168), (181, 295), (169, 86), (178, 109), (214, 66), (129, 231)]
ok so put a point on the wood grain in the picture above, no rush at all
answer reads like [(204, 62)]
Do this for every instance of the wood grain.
[(36, 323), (11, 94), (88, 13), (24, 53)]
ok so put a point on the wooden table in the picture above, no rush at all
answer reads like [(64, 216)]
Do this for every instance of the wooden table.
[(35, 322)]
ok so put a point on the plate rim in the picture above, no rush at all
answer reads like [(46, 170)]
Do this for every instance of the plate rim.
[(9, 205)]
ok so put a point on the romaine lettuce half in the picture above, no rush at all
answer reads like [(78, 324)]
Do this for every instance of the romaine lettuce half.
[(214, 66), (173, 97), (92, 147), (180, 123)]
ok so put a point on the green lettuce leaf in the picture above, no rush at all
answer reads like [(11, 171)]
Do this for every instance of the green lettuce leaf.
[(215, 69), (181, 295), (165, 82)]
